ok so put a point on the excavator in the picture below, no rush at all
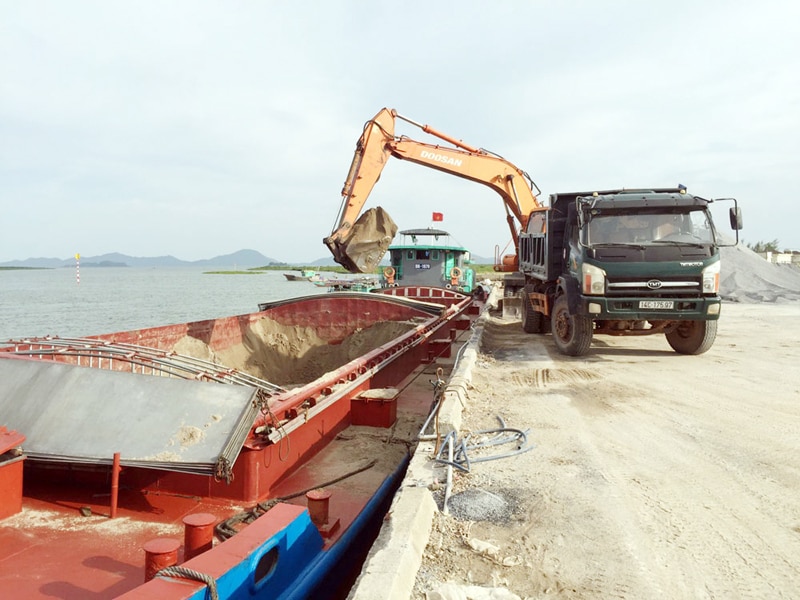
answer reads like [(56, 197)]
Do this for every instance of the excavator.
[(359, 242)]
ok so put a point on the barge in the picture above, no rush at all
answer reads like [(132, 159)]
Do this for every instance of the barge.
[(252, 456)]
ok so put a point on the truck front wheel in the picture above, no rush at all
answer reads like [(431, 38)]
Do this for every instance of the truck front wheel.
[(693, 337), (571, 333)]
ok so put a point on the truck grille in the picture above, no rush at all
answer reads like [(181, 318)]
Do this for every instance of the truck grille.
[(661, 288)]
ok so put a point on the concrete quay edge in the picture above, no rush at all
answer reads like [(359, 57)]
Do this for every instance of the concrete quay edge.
[(391, 567)]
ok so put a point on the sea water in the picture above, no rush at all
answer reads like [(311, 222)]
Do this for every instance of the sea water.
[(57, 302)]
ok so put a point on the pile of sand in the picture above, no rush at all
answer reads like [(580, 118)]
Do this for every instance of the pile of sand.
[(746, 277), (291, 355)]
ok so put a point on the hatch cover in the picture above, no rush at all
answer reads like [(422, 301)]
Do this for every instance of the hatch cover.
[(76, 414)]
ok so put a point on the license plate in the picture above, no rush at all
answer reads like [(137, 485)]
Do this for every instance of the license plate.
[(656, 304)]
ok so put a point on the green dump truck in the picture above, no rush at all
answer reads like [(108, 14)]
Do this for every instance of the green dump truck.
[(622, 262)]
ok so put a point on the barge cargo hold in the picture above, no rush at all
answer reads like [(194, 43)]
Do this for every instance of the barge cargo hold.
[(251, 456)]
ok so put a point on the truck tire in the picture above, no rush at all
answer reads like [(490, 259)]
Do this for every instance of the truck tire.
[(532, 320), (693, 337), (571, 333)]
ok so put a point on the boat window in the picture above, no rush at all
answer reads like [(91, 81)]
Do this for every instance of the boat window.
[(410, 255), (423, 254), (435, 255)]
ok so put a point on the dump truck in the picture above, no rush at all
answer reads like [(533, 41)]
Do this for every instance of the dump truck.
[(622, 262)]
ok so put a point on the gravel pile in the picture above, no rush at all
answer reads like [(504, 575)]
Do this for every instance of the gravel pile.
[(746, 277)]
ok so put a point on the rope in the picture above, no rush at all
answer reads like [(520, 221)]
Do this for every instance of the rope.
[(438, 392), (439, 387), (266, 411), (184, 573), (226, 529)]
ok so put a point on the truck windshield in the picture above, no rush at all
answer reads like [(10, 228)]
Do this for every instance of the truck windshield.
[(650, 228)]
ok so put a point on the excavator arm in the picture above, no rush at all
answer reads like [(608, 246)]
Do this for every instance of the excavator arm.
[(358, 243)]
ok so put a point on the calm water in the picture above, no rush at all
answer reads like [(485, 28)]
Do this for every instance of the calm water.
[(51, 302)]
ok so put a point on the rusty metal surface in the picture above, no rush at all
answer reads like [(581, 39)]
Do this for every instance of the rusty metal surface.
[(82, 415)]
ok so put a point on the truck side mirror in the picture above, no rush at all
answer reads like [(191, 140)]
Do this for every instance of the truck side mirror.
[(736, 218)]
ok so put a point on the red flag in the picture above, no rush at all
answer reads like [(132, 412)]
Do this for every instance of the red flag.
[(438, 216)]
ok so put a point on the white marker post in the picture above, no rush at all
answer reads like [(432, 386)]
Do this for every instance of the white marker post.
[(78, 268)]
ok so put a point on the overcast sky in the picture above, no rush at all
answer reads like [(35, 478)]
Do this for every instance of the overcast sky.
[(196, 129)]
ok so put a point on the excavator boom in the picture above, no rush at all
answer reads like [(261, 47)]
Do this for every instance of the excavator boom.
[(358, 243)]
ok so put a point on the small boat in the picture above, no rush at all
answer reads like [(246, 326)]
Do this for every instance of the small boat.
[(245, 457), (351, 284), (302, 275)]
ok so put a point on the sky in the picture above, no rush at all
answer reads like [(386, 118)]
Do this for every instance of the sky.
[(196, 129)]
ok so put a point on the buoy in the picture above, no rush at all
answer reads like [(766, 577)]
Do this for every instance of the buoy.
[(455, 273)]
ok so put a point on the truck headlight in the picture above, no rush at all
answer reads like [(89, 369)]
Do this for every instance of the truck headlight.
[(711, 278), (594, 279)]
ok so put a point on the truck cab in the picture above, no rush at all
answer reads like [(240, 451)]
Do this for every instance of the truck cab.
[(623, 262)]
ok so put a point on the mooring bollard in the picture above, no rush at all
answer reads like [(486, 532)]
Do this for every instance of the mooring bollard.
[(160, 553), (318, 501), (198, 534)]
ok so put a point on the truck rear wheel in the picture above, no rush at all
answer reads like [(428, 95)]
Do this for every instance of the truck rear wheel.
[(693, 337), (571, 333), (532, 320)]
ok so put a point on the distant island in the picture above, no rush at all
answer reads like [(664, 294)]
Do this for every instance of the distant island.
[(102, 263), (243, 259)]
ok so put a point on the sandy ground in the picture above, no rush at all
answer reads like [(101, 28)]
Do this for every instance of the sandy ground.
[(653, 475)]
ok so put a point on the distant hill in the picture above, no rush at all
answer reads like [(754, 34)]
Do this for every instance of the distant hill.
[(327, 261), (242, 258)]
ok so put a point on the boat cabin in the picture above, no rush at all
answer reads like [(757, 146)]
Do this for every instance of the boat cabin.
[(428, 257)]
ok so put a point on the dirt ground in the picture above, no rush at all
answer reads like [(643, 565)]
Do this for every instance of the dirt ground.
[(653, 475)]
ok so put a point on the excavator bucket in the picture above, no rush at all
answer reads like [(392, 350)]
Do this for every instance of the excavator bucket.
[(368, 240)]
